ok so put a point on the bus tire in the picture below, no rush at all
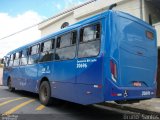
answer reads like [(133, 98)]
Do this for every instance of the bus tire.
[(45, 93), (10, 88)]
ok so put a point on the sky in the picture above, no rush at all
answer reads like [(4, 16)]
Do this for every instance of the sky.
[(16, 15)]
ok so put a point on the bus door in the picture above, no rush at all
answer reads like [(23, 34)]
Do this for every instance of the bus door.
[(6, 69), (15, 74), (22, 69), (31, 70)]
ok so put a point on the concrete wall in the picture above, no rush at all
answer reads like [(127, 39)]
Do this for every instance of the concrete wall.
[(94, 8), (131, 6), (155, 12), (53, 25), (151, 9)]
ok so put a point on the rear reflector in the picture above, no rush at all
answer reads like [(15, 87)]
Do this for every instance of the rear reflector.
[(116, 94), (97, 86), (149, 35), (113, 70), (137, 84)]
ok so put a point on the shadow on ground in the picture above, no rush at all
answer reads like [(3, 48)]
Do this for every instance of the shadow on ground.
[(69, 111)]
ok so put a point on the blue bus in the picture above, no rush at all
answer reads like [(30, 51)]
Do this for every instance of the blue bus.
[(111, 56)]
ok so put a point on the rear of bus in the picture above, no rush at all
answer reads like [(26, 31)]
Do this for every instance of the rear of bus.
[(132, 57)]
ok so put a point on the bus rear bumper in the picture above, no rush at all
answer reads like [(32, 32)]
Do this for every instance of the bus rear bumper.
[(114, 93)]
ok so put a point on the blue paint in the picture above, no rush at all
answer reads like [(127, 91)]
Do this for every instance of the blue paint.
[(123, 39)]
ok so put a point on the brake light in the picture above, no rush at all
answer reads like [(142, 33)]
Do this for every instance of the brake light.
[(113, 70)]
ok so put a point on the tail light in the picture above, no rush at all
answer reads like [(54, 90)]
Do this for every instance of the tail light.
[(113, 70)]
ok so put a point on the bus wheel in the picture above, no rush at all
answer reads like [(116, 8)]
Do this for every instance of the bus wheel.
[(45, 93), (11, 89)]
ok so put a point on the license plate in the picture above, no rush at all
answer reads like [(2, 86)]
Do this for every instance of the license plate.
[(137, 84)]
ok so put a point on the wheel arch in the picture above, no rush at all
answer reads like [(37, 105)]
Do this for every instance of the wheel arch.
[(42, 80)]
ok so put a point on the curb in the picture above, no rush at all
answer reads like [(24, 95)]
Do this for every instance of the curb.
[(133, 109)]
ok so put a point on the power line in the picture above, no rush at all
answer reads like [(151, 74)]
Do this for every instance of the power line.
[(19, 31), (66, 11)]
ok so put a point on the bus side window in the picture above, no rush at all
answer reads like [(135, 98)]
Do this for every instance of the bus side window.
[(6, 61), (14, 55), (58, 42), (33, 54), (34, 50), (24, 57), (46, 53), (89, 41), (47, 46), (16, 59), (66, 47), (53, 43), (65, 40), (74, 37), (11, 60)]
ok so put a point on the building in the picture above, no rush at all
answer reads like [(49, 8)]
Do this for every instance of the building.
[(147, 10)]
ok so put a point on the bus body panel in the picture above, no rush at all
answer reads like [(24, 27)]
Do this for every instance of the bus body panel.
[(31, 72), (89, 94), (15, 76), (45, 69), (23, 78), (91, 73), (64, 79), (63, 90), (89, 80), (137, 54), (65, 71), (5, 76)]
